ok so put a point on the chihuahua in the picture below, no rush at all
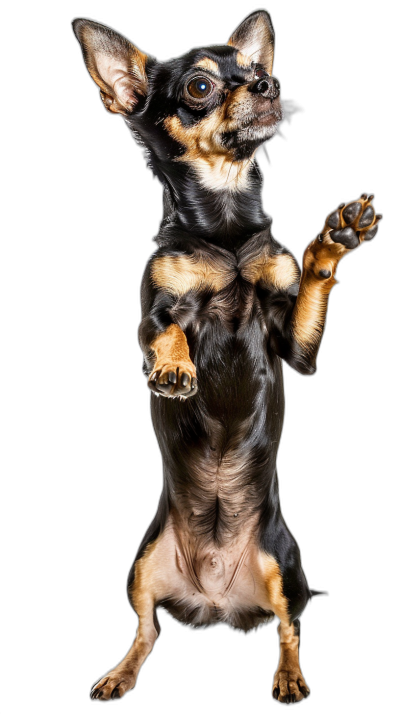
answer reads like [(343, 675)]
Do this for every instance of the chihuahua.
[(222, 303)]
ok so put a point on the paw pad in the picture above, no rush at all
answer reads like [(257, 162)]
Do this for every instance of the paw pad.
[(352, 223)]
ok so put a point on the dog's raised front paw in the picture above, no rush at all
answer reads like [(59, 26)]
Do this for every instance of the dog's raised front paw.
[(344, 230), (173, 380), (113, 685), (352, 223), (289, 687)]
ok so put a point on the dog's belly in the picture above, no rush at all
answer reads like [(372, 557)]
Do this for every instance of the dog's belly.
[(219, 449), (203, 584)]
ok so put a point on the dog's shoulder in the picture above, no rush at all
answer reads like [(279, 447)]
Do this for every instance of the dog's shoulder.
[(187, 264), (266, 263)]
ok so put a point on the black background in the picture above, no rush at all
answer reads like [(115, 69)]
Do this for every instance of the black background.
[(333, 62)]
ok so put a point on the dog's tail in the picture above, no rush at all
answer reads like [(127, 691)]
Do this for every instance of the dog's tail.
[(313, 593)]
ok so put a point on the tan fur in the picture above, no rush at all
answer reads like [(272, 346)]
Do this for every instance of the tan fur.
[(311, 304), (312, 301), (172, 353), (288, 677), (289, 682), (243, 61), (209, 64), (177, 275), (272, 579), (147, 586), (214, 165), (310, 310), (275, 271)]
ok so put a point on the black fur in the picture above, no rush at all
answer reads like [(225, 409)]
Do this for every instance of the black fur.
[(236, 339)]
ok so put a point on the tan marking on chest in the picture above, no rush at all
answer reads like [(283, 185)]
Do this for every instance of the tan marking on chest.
[(178, 275), (275, 271)]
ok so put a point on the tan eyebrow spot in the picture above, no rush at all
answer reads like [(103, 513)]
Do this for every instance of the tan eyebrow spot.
[(209, 64)]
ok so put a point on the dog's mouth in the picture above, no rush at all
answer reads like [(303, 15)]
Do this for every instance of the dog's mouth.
[(269, 116)]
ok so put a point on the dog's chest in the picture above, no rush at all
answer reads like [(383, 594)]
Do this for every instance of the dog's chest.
[(224, 284)]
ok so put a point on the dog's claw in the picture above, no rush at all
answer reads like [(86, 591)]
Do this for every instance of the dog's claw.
[(173, 382), (115, 694)]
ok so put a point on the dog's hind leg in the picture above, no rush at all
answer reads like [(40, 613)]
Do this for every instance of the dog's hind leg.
[(145, 591), (289, 684)]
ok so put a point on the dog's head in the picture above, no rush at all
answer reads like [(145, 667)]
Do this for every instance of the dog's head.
[(209, 109)]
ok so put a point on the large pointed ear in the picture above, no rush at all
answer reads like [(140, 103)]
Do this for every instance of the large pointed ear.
[(117, 66), (254, 38)]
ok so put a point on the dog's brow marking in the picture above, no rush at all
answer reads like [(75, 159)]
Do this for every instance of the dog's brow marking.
[(209, 64), (179, 274), (276, 271)]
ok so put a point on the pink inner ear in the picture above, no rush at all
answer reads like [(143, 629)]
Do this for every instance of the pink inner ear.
[(123, 88), (114, 72)]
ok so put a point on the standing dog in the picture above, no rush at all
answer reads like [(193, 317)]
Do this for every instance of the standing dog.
[(223, 303)]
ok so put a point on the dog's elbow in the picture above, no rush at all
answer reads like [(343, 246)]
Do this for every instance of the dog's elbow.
[(294, 355), (303, 364)]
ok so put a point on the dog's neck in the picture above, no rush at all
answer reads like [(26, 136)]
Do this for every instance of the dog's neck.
[(225, 217)]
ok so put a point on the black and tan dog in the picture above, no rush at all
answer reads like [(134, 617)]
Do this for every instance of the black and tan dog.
[(223, 303)]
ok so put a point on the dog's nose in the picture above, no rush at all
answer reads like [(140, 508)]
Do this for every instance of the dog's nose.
[(267, 86)]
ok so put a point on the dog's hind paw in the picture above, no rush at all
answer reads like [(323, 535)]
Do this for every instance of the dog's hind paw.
[(289, 687), (113, 685)]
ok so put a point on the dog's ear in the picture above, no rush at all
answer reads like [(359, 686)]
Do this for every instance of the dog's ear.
[(254, 38), (117, 66)]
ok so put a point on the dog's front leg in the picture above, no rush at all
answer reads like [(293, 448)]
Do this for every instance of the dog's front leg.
[(167, 361), (299, 323), (174, 373)]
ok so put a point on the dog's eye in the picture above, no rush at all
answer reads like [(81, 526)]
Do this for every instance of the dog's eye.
[(260, 72), (200, 87)]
